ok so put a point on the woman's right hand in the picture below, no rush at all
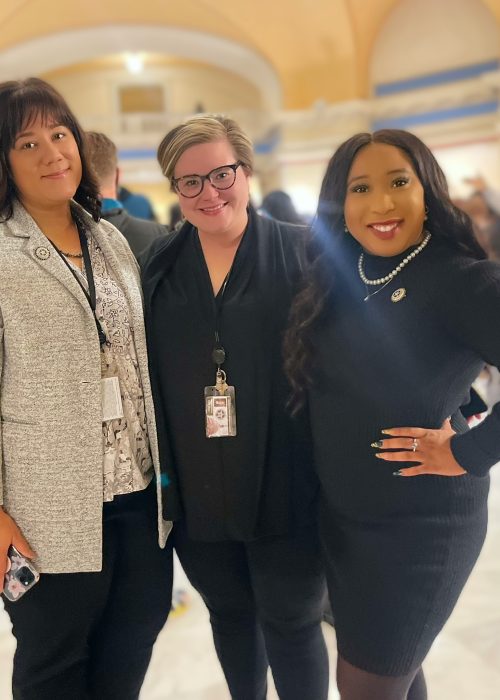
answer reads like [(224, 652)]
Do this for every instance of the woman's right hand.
[(10, 534)]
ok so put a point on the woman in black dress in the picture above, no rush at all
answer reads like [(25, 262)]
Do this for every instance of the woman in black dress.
[(398, 317), (217, 294)]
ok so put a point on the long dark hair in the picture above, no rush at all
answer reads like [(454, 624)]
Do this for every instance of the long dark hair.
[(328, 240), (21, 102)]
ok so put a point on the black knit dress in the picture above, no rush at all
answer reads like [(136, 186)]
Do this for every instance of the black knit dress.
[(399, 550)]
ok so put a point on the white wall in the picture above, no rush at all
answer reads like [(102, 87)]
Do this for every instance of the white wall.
[(426, 36)]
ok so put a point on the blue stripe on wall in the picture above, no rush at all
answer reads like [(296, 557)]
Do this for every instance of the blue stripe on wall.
[(146, 153), (440, 78), (265, 147), (440, 115), (137, 153)]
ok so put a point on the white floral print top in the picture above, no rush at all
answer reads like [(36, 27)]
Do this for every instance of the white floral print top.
[(128, 465)]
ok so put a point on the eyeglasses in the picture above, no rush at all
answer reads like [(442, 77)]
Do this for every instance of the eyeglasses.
[(221, 178)]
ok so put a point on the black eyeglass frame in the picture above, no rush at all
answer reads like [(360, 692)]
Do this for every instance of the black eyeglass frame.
[(175, 180)]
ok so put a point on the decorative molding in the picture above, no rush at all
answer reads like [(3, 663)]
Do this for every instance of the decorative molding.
[(438, 115), (53, 51), (459, 94), (443, 77), (468, 110)]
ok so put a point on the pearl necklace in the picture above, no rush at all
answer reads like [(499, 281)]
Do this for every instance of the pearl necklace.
[(385, 280)]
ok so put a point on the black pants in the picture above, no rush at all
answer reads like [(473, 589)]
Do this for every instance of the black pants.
[(266, 604), (90, 635)]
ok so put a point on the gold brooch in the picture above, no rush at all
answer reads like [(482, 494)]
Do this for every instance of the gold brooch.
[(398, 294)]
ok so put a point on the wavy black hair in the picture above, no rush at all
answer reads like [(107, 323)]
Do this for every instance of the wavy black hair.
[(329, 238), (21, 103)]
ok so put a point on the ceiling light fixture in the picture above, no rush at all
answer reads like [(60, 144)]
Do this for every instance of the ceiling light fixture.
[(134, 63)]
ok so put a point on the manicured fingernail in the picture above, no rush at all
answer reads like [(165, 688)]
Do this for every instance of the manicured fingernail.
[(378, 443), (379, 455), (398, 473), (386, 431)]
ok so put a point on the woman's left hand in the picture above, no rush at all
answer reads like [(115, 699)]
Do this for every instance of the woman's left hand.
[(431, 448)]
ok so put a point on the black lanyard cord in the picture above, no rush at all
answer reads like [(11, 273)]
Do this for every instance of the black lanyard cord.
[(90, 295), (218, 353)]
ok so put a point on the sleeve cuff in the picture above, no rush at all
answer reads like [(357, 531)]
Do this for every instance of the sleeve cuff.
[(469, 449)]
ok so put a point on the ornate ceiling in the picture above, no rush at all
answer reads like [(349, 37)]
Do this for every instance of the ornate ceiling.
[(317, 49)]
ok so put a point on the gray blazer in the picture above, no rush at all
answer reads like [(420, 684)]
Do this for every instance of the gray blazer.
[(51, 444)]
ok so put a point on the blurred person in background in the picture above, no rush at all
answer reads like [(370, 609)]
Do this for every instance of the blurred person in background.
[(175, 218), (279, 205), (136, 204), (483, 218), (490, 195), (494, 240), (217, 296), (483, 207), (399, 314), (79, 454), (103, 159)]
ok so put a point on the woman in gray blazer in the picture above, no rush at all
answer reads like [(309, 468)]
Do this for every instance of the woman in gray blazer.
[(79, 455)]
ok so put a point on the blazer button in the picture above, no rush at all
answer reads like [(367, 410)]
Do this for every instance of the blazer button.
[(42, 253)]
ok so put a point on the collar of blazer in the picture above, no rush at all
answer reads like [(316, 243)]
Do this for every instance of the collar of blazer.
[(119, 258), (161, 255)]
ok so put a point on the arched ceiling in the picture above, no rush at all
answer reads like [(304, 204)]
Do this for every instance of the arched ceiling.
[(90, 43), (318, 49)]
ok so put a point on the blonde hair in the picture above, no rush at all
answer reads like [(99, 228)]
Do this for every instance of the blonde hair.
[(203, 129)]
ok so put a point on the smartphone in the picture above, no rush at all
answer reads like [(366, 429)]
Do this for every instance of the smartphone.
[(21, 576)]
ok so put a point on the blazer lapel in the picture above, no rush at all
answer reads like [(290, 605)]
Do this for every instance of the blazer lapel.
[(38, 247)]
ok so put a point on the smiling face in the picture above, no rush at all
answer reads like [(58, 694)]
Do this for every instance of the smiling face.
[(45, 164), (214, 212), (384, 207)]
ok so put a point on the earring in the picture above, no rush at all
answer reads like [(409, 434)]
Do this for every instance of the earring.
[(426, 211), (346, 230)]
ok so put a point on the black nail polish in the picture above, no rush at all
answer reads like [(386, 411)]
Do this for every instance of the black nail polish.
[(377, 444)]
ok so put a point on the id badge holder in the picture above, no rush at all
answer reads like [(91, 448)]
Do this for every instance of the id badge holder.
[(220, 408), (112, 406)]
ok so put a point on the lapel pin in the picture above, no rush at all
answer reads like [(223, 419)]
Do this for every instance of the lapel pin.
[(42, 253), (398, 294)]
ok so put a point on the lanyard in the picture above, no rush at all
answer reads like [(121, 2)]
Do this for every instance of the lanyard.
[(218, 353), (90, 295)]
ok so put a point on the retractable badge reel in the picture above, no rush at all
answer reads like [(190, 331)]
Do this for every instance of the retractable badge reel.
[(220, 407)]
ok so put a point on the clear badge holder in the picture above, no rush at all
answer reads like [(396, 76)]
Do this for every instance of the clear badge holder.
[(220, 408)]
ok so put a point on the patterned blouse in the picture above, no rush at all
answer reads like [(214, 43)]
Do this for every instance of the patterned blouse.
[(128, 465)]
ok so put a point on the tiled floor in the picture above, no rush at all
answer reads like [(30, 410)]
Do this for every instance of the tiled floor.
[(464, 663)]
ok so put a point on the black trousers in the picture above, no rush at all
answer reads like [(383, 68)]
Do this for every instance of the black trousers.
[(90, 635), (265, 600)]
